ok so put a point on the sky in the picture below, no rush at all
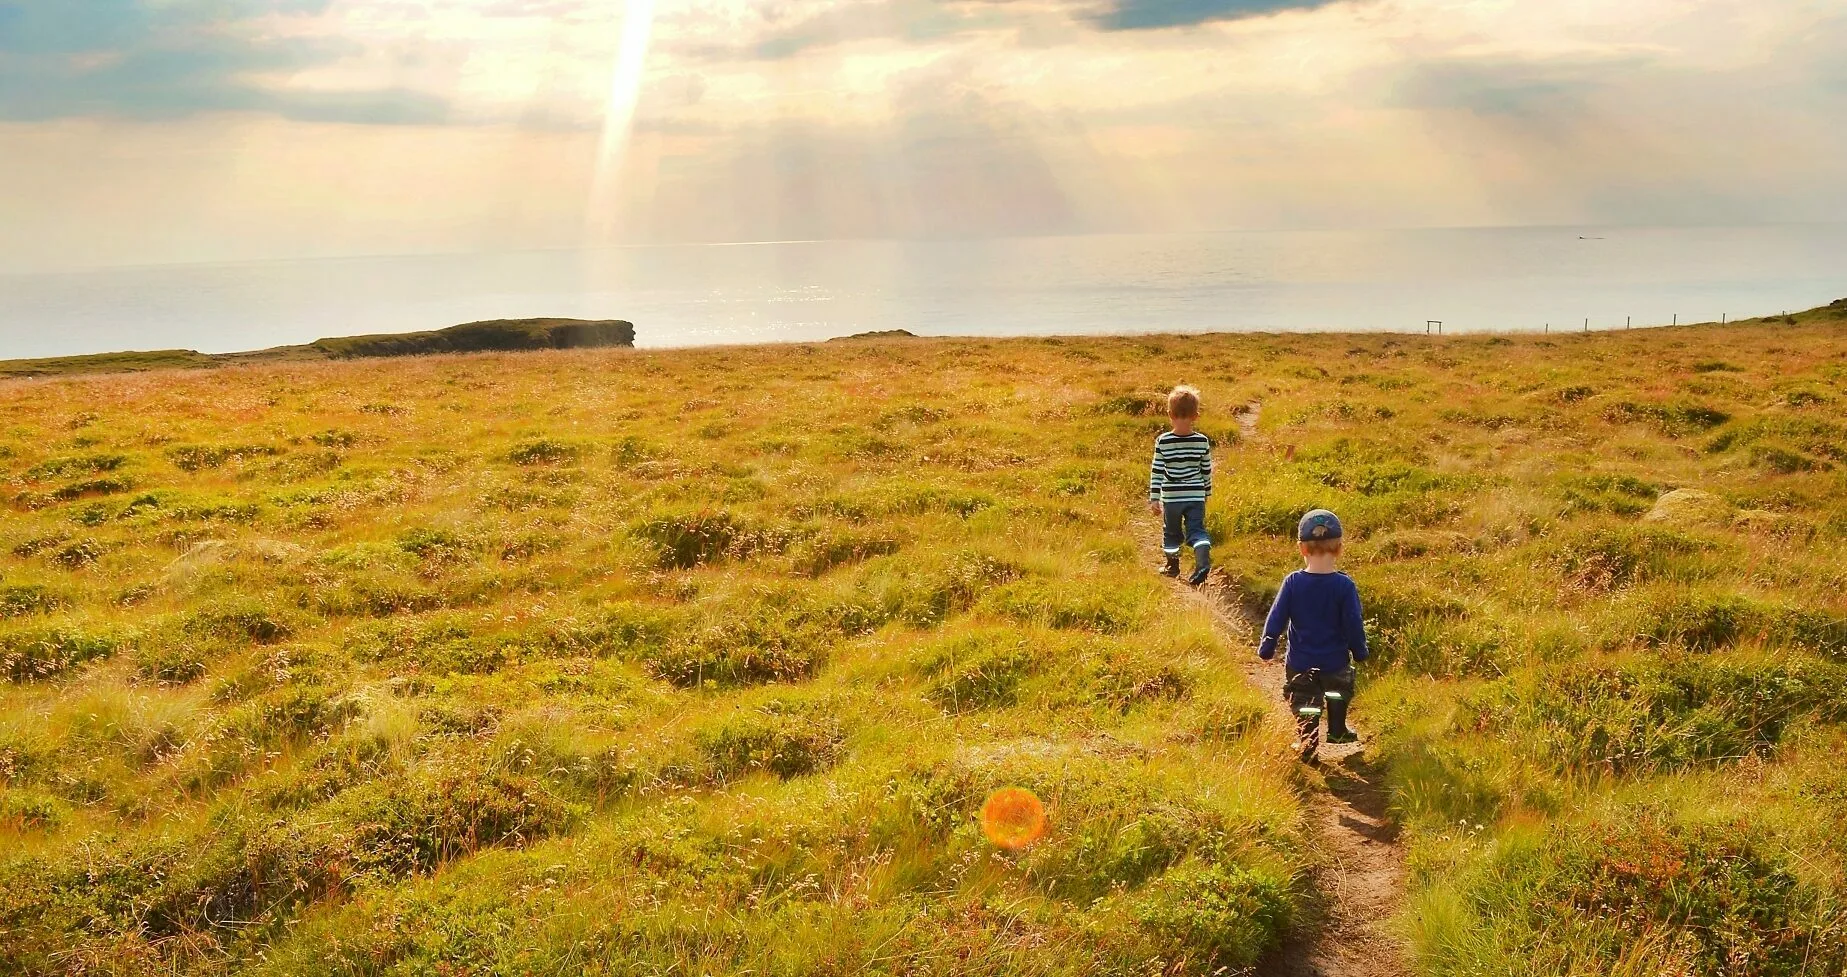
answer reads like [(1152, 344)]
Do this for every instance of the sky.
[(155, 131)]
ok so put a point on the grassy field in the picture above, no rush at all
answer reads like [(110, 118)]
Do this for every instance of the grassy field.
[(704, 662)]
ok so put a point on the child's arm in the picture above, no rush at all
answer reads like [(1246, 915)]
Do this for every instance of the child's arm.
[(1274, 625), (1353, 622), (1208, 467), (1157, 474)]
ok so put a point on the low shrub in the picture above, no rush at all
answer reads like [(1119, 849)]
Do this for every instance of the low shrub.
[(1646, 715), (1073, 605), (1211, 916), (1705, 621), (544, 451), (22, 600), (1673, 420), (825, 551), (199, 457), (23, 810), (1784, 461), (294, 712), (171, 662), (1621, 495), (630, 450), (924, 592), (1273, 506), (1120, 675), (238, 619), (1606, 557), (1797, 437), (775, 637), (775, 739), (1368, 468), (1131, 405), (72, 466), (690, 539), (438, 546), (88, 488), (979, 670), (1709, 898), (43, 652), (895, 499)]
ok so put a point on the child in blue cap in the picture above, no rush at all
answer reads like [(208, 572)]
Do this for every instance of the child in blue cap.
[(1319, 608)]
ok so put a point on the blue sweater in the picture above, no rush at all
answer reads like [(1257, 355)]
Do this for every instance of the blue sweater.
[(1321, 612)]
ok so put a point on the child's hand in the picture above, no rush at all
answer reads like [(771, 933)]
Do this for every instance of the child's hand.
[(1154, 508)]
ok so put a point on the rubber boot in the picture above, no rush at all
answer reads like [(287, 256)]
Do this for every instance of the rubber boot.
[(1202, 564), (1172, 569), (1337, 722), (1307, 738)]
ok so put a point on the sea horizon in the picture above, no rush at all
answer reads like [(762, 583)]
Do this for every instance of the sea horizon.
[(1529, 278)]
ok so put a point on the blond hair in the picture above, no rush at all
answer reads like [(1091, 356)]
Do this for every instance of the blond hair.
[(1183, 402)]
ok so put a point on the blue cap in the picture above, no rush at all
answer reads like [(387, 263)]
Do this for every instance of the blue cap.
[(1319, 524)]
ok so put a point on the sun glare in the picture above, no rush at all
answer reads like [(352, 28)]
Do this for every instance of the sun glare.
[(619, 114)]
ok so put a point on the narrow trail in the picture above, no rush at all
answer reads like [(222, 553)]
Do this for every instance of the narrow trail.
[(1360, 874)]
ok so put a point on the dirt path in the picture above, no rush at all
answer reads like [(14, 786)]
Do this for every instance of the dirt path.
[(1361, 874)]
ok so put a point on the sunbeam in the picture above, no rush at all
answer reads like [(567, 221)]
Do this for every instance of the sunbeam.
[(619, 118)]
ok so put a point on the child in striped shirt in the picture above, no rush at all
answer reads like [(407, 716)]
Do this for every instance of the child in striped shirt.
[(1179, 485)]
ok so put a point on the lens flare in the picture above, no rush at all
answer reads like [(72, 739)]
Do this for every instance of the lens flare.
[(1013, 818)]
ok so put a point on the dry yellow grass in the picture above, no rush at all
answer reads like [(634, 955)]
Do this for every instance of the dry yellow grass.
[(706, 661)]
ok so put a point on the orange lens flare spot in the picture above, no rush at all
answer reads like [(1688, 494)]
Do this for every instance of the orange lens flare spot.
[(1013, 818)]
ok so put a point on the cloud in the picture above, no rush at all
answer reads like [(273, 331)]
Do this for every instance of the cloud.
[(908, 21), (1515, 88), (1135, 15), (144, 59)]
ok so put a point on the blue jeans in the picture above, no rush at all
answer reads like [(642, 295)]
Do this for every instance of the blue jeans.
[(1183, 521)]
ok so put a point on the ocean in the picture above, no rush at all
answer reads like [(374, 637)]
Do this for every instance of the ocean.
[(1524, 279)]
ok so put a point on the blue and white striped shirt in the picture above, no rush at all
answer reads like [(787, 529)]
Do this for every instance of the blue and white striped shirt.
[(1182, 470)]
